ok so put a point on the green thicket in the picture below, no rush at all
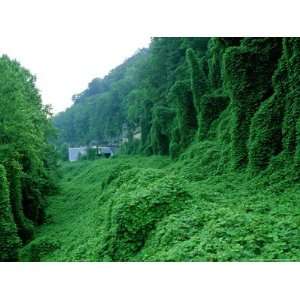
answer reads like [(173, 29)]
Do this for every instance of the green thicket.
[(24, 225), (248, 70), (159, 133), (227, 112), (25, 152), (132, 214), (9, 240), (214, 62), (136, 96), (185, 122), (135, 208), (297, 154), (211, 107), (198, 84), (292, 106), (265, 134), (151, 93)]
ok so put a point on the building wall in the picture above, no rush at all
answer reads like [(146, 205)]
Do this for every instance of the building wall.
[(74, 153)]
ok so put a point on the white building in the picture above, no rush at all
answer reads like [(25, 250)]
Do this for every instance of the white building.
[(75, 153)]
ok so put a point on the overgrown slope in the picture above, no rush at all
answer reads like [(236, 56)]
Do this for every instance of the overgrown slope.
[(226, 112), (150, 209), (180, 90)]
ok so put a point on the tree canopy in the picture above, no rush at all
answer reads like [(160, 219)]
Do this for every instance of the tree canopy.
[(27, 160)]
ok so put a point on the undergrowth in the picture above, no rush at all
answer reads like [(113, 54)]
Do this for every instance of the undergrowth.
[(227, 122), (154, 209)]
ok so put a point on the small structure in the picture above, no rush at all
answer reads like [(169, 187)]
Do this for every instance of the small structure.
[(75, 153), (105, 151), (137, 135)]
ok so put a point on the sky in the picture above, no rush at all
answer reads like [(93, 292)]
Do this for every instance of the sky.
[(66, 43)]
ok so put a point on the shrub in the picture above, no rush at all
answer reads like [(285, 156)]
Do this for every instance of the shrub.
[(199, 160), (24, 226), (135, 213), (160, 130), (174, 147), (211, 108), (265, 134), (38, 248), (186, 117), (33, 201)]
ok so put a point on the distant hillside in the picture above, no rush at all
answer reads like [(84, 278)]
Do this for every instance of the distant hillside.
[(241, 94)]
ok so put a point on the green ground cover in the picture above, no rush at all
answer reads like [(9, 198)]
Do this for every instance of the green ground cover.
[(152, 209)]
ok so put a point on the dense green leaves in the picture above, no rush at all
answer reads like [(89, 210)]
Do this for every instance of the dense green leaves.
[(24, 225), (9, 240), (29, 160), (153, 209), (248, 72), (137, 97), (185, 123), (151, 93), (227, 111), (133, 213)]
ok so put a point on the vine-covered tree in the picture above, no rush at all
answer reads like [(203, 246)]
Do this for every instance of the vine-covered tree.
[(25, 153)]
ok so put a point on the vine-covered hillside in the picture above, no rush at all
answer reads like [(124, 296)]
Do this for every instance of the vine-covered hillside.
[(209, 163), (239, 94), (134, 208)]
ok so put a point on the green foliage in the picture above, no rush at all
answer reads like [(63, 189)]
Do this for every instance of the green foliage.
[(297, 154), (248, 86), (217, 233), (211, 108), (199, 160), (186, 118), (265, 133), (175, 147), (153, 209), (24, 225), (9, 240), (134, 213), (151, 92), (214, 61), (208, 106), (160, 130), (63, 152), (38, 249), (76, 215), (134, 95), (292, 106), (25, 132), (227, 111), (198, 78), (33, 200)]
